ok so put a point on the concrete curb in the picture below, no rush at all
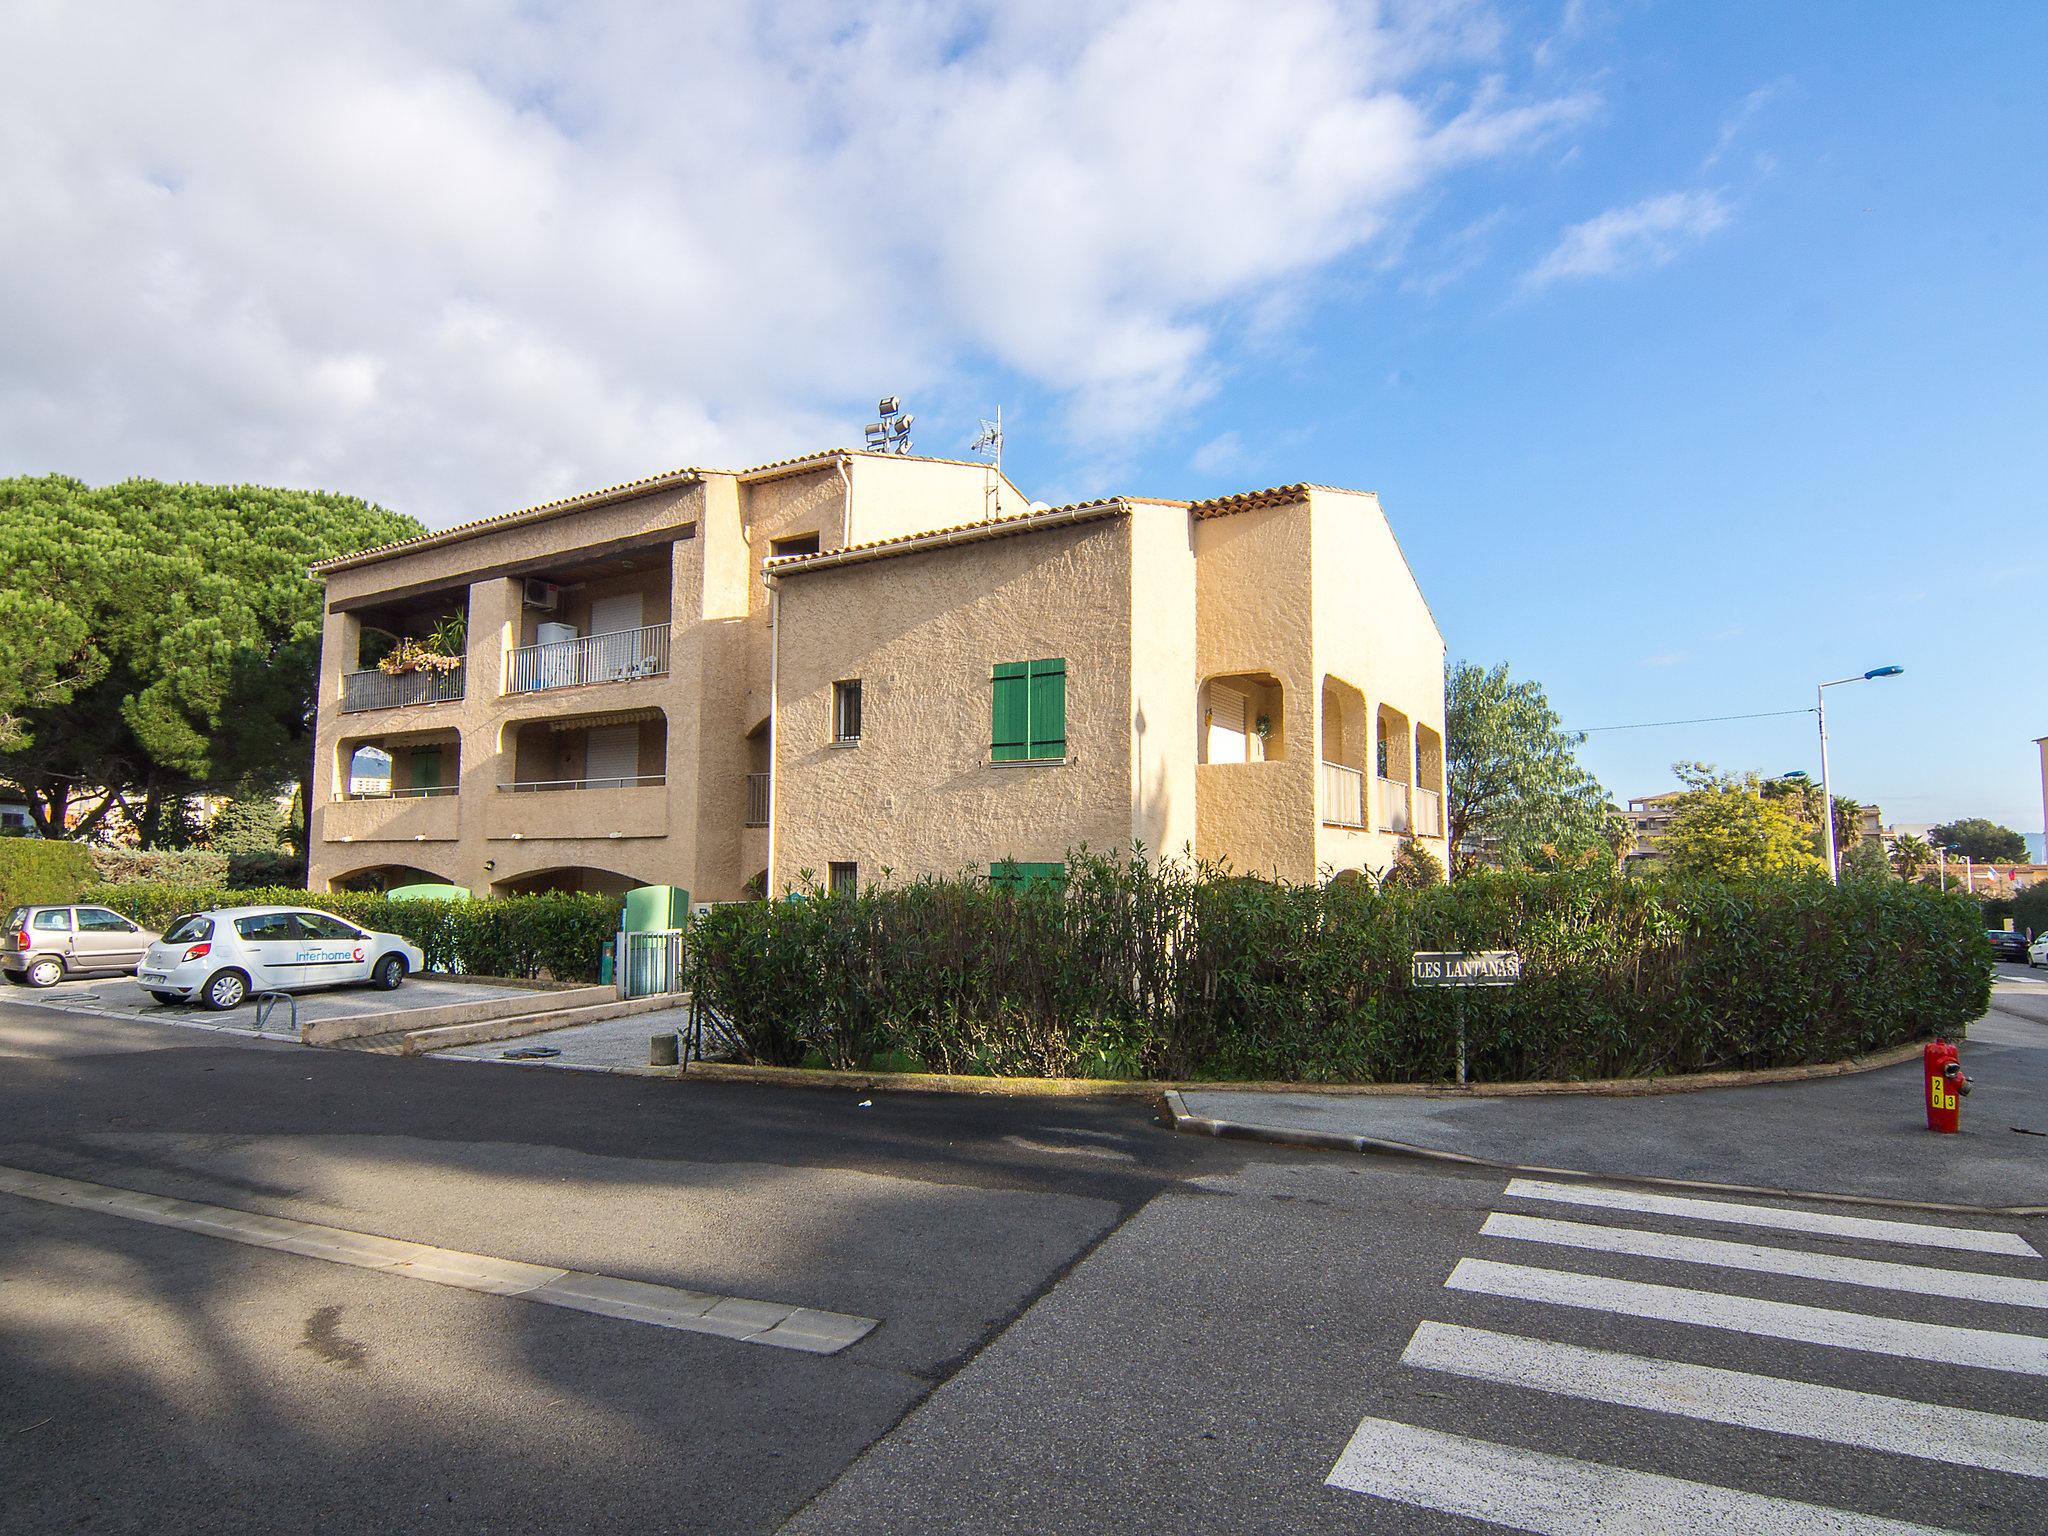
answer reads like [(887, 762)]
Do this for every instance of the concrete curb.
[(1180, 1119), (1089, 1087)]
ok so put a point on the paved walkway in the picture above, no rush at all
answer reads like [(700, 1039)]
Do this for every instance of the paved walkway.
[(1861, 1135), (607, 1045)]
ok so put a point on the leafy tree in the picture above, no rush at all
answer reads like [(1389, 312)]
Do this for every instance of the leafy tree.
[(247, 824), (1910, 855), (1984, 841), (1414, 868), (2030, 910), (1801, 796), (1724, 826), (158, 641), (1866, 861), (1515, 780)]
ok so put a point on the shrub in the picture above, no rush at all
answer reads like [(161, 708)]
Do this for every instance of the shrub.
[(559, 935), (1176, 971), (160, 866), (2030, 909), (33, 869)]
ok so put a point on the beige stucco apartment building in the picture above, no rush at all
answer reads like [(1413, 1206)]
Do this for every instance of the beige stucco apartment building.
[(857, 667)]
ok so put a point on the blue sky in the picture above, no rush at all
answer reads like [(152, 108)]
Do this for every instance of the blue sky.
[(1694, 348)]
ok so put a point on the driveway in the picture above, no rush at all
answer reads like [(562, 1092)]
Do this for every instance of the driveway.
[(123, 997)]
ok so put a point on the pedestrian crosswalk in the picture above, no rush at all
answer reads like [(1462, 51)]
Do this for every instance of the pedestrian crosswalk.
[(1675, 1269)]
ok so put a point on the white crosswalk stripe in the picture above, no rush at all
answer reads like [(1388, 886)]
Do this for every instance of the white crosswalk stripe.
[(1920, 1279), (1820, 1223), (1960, 1436), (1525, 1489)]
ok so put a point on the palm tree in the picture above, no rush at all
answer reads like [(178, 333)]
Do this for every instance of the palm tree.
[(1910, 855)]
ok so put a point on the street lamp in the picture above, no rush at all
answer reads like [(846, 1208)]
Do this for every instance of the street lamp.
[(1827, 799)]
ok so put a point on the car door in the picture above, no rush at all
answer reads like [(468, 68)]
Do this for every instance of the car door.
[(107, 941), (267, 940), (335, 953)]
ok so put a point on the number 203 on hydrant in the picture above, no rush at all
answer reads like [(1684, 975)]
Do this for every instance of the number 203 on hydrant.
[(1946, 1086)]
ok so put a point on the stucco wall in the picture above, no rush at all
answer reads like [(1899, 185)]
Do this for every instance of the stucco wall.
[(923, 633), (1163, 671), (894, 496), (1254, 613)]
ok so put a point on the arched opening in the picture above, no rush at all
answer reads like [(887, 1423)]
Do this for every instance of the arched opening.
[(384, 877), (570, 879), (618, 749), (1429, 782), (400, 765), (1393, 769), (1242, 718), (1346, 741)]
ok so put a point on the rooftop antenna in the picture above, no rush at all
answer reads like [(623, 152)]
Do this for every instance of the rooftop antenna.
[(990, 442), (892, 433)]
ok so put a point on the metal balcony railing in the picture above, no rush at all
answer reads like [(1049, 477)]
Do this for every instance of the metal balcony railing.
[(382, 690), (546, 786), (1393, 805), (1429, 813), (420, 792), (757, 799), (1343, 796), (620, 657)]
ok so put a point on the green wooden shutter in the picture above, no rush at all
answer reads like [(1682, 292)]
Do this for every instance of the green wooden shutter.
[(1048, 708), (1012, 738), (426, 768)]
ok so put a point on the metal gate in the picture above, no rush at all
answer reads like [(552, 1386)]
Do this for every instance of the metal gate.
[(650, 964)]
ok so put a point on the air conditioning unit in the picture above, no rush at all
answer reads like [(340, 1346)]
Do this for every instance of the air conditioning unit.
[(544, 595)]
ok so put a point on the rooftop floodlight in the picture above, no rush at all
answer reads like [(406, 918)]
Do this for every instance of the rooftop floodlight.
[(890, 406), (878, 434)]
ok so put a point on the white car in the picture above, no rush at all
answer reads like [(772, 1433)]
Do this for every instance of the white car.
[(2037, 952), (218, 958)]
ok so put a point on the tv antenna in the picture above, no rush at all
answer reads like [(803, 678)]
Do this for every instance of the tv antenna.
[(990, 442), (892, 433)]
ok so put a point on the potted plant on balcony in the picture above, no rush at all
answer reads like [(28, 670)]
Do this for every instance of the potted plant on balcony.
[(441, 651)]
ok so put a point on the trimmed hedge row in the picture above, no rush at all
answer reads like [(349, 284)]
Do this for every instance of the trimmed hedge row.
[(33, 869), (557, 935), (1136, 971)]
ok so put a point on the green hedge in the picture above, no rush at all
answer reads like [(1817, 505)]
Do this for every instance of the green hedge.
[(33, 869), (1141, 971), (164, 866), (524, 936)]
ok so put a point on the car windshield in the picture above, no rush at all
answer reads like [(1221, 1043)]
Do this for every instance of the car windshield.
[(189, 929)]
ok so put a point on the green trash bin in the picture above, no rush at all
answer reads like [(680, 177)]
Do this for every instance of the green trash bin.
[(427, 891), (651, 908)]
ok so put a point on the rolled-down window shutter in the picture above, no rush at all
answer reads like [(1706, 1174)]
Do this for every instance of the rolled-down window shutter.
[(1011, 740), (1048, 708)]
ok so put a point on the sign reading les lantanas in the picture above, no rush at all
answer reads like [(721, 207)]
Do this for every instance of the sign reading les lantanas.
[(1455, 968)]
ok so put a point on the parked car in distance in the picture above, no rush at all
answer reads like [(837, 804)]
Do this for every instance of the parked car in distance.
[(2037, 952), (2006, 944), (43, 945), (218, 958)]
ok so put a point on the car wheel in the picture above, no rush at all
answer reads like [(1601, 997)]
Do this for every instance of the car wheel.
[(225, 990), (389, 973), (46, 972), (165, 997)]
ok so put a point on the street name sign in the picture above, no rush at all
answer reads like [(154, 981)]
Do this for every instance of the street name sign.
[(1456, 968)]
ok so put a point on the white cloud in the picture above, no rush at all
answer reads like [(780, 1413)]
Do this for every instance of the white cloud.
[(1220, 455), (1739, 118), (458, 258), (1645, 234)]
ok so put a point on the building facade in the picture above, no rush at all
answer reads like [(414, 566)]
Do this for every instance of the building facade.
[(855, 667)]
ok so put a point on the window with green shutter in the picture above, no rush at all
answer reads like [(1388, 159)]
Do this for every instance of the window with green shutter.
[(426, 768), (1009, 875), (1030, 710)]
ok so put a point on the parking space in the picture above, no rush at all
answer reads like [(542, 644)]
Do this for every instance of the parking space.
[(122, 997)]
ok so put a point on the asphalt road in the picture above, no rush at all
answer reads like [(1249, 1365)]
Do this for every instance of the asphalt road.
[(1086, 1323)]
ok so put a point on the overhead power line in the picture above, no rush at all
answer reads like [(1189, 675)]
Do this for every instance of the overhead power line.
[(1645, 725)]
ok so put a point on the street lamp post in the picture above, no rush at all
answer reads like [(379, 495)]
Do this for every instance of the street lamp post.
[(1827, 799)]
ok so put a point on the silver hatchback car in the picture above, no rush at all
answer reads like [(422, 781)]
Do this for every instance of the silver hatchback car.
[(42, 945)]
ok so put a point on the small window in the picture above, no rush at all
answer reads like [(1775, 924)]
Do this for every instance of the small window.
[(796, 544), (1009, 875), (54, 920), (1381, 757), (846, 711), (100, 920), (844, 880), (189, 930), (320, 925), (1030, 711), (266, 926)]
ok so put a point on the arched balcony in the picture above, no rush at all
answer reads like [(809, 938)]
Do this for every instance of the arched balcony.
[(1394, 770), (1346, 743)]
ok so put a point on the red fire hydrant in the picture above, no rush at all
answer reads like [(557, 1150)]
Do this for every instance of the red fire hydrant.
[(1945, 1088)]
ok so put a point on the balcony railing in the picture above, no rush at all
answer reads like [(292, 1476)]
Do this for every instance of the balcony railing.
[(1429, 813), (620, 657), (383, 690), (1343, 796), (548, 786), (1393, 805), (411, 792), (757, 799)]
